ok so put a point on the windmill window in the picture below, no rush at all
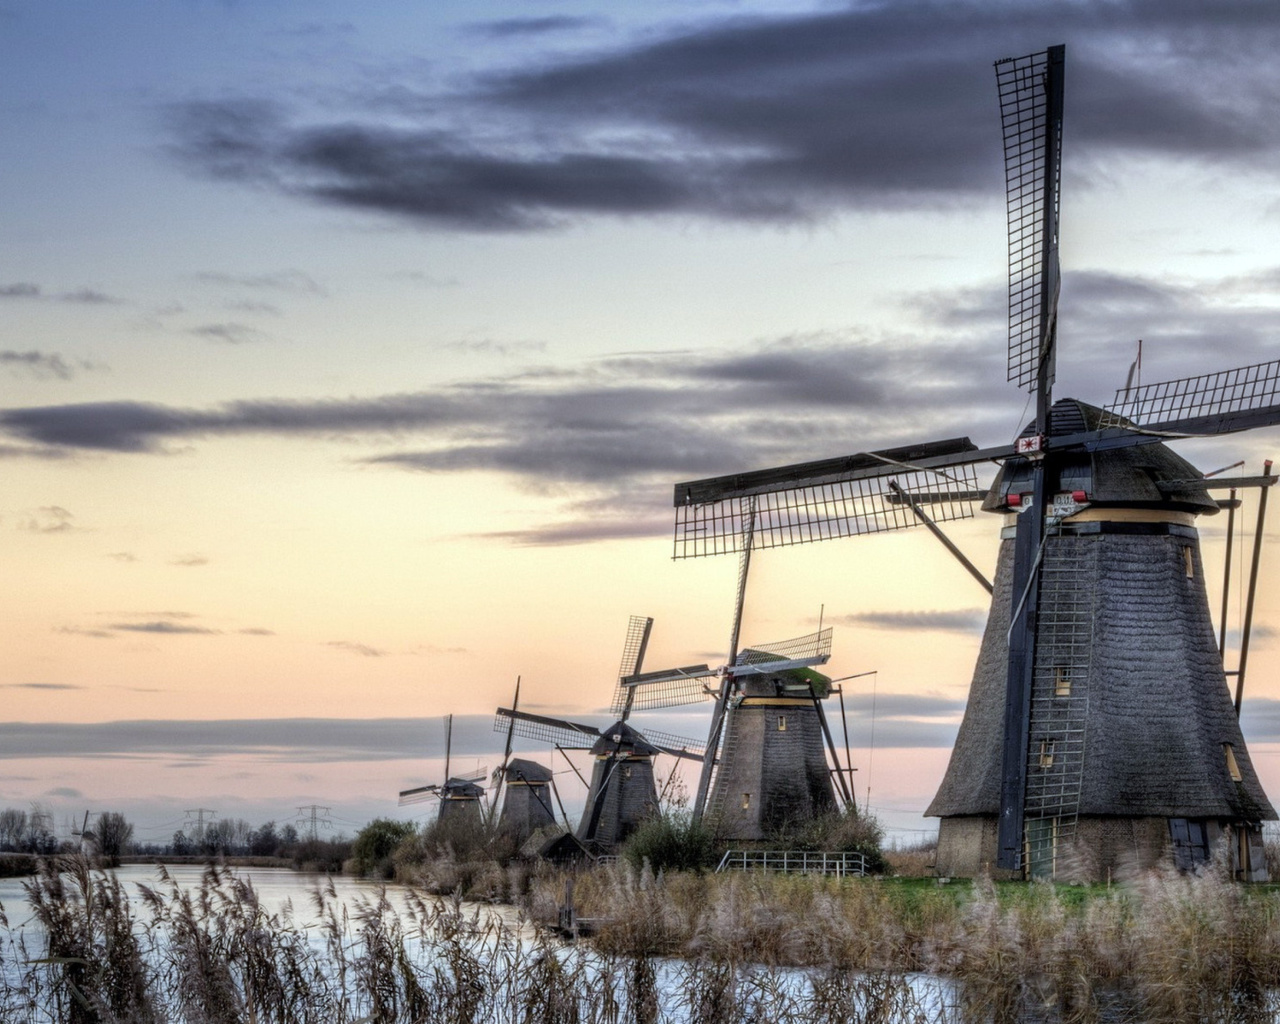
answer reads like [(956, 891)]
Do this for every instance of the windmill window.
[(746, 801), (1062, 681), (782, 723), (626, 773), (1046, 753), (1188, 564), (1233, 767)]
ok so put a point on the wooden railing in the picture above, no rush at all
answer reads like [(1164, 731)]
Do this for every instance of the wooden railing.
[(807, 862)]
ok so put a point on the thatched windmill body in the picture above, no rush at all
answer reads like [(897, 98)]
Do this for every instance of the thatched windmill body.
[(527, 803), (1100, 732)]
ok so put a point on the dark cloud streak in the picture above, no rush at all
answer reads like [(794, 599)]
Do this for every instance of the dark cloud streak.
[(783, 118)]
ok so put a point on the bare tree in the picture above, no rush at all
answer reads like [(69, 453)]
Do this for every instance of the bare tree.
[(13, 828), (113, 835)]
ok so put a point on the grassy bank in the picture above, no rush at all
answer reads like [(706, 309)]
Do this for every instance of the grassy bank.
[(1168, 947)]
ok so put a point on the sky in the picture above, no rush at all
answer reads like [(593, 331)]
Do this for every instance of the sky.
[(349, 354)]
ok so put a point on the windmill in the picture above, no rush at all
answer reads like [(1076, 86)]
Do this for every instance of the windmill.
[(768, 732), (88, 839), (460, 796), (1099, 724), (522, 788), (622, 791)]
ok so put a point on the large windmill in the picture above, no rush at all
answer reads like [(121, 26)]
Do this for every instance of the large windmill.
[(622, 791), (1099, 724), (460, 796)]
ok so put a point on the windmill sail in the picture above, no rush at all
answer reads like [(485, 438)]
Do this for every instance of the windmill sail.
[(1031, 116), (580, 736), (633, 647), (828, 498)]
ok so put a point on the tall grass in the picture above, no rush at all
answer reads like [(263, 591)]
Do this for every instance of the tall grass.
[(1167, 948), (672, 948), (215, 954)]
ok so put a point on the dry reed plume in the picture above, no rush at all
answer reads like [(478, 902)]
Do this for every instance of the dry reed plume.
[(680, 949)]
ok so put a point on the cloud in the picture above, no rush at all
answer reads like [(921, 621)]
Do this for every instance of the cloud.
[(37, 364), (610, 435), (162, 627), (229, 333), (968, 620), (519, 28), (271, 739), (88, 297), (624, 417), (97, 634), (19, 290), (48, 519), (64, 791), (488, 346), (292, 282), (40, 686), (785, 118), (256, 631), (190, 561), (40, 452), (264, 308), (122, 556), (362, 649)]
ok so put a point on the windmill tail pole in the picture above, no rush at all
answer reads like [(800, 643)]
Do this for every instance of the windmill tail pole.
[(1226, 576), (748, 507), (555, 791), (1253, 587), (844, 721), (448, 747), (845, 791), (506, 758), (946, 541)]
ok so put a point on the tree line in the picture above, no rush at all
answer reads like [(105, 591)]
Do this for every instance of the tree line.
[(111, 836)]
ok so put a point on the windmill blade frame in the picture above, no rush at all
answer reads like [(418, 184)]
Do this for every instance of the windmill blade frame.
[(557, 731), (827, 498), (419, 794), (634, 645)]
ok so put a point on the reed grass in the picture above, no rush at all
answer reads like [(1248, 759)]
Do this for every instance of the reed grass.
[(1167, 947), (673, 948)]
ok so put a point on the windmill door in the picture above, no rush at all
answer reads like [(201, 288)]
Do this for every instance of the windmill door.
[(1042, 847), (1190, 843)]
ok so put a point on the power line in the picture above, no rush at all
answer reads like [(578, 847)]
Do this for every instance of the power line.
[(312, 820), (200, 823)]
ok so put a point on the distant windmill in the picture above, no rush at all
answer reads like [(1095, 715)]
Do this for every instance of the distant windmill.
[(770, 769), (1099, 730), (88, 839), (523, 788), (622, 791), (460, 796)]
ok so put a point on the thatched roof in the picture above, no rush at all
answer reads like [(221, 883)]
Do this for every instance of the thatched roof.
[(462, 789), (622, 740), (520, 769), (1128, 477)]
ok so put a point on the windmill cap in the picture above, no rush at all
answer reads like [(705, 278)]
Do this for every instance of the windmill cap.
[(621, 738), (1136, 476), (462, 789), (521, 770)]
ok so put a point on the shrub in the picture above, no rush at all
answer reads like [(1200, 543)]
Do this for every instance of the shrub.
[(673, 841), (840, 832), (376, 842)]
